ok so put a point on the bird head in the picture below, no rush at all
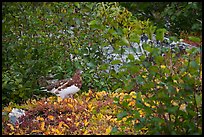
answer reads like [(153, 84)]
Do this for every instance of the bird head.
[(76, 79), (78, 72)]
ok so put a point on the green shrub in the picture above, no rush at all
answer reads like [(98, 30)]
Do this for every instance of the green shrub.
[(177, 13), (34, 44), (169, 91), (168, 88)]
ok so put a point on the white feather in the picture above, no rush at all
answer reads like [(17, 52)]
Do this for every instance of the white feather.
[(69, 90)]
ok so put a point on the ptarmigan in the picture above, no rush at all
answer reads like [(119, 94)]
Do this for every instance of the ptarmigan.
[(66, 87)]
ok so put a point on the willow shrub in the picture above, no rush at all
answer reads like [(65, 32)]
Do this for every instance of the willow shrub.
[(57, 38), (169, 90)]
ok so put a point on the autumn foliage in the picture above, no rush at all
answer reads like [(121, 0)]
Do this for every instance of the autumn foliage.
[(90, 113)]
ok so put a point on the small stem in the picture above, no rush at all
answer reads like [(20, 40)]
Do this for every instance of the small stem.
[(196, 107)]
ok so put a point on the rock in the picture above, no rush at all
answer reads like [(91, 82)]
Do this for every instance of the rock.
[(136, 49), (15, 114)]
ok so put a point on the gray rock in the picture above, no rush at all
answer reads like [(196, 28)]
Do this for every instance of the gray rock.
[(15, 114)]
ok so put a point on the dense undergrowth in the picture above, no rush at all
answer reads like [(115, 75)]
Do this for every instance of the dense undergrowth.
[(159, 93), (99, 113)]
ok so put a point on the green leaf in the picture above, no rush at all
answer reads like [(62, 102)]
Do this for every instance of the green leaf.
[(114, 62), (148, 86), (127, 96), (160, 34), (121, 115), (134, 69), (77, 4), (148, 48), (119, 90), (172, 109), (159, 59), (198, 100), (173, 38), (78, 21), (194, 64), (125, 41), (93, 22), (142, 58), (131, 57), (104, 67), (116, 100), (124, 104), (153, 69), (21, 94), (161, 94), (90, 64), (194, 39), (114, 129), (140, 80), (135, 37), (136, 114)]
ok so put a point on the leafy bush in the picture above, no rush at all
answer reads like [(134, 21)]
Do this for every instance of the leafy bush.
[(89, 113), (166, 81), (175, 15), (169, 90), (43, 38), (100, 113)]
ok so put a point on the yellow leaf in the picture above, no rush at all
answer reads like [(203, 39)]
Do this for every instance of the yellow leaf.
[(144, 128), (87, 99), (55, 130), (108, 117), (42, 127), (183, 107), (59, 99), (77, 124), (90, 106), (175, 81), (71, 106), (100, 116), (97, 97), (75, 101), (153, 106), (12, 133), (65, 125), (163, 66), (86, 132), (132, 103), (148, 105), (124, 119), (86, 122), (177, 90), (133, 94), (144, 76), (60, 124), (8, 109), (90, 92), (40, 118), (51, 117), (137, 121), (108, 130), (103, 92), (36, 131), (11, 126), (47, 133), (141, 113), (174, 103)]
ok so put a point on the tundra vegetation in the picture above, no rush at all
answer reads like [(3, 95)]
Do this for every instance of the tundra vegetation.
[(160, 92)]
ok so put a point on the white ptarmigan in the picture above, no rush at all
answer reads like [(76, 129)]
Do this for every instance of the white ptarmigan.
[(66, 87)]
